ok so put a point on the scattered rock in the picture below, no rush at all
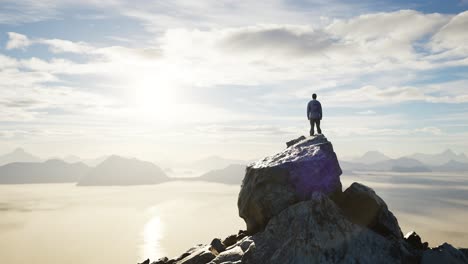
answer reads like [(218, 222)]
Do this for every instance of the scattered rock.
[(294, 141), (233, 255), (276, 182), (147, 261), (163, 260), (198, 255), (217, 246), (415, 241), (364, 207), (444, 253), (241, 234), (230, 240)]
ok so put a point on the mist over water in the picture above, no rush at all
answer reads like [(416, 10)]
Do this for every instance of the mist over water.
[(54, 223)]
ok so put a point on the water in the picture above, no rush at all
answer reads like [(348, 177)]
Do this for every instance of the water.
[(62, 223)]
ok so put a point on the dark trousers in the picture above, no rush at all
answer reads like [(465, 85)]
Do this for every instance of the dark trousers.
[(317, 123)]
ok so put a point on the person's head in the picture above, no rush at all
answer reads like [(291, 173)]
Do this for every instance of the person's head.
[(314, 96)]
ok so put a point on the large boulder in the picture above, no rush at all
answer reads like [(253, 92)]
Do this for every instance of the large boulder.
[(364, 207), (288, 177), (314, 231)]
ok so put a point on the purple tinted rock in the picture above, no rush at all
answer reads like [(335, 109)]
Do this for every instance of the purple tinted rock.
[(292, 175)]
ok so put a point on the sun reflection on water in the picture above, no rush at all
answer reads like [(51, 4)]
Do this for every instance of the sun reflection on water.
[(152, 235)]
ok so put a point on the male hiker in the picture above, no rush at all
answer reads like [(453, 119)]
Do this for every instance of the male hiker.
[(314, 114)]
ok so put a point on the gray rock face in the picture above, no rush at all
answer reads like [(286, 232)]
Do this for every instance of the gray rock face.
[(196, 255), (315, 231), (292, 175), (415, 241), (464, 251), (216, 246), (364, 207), (444, 253)]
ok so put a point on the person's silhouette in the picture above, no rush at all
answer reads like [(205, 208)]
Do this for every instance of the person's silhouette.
[(314, 114)]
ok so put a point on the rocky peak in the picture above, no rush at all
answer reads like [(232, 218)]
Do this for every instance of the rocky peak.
[(295, 212)]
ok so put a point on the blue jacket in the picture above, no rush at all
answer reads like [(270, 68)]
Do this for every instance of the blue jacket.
[(314, 110)]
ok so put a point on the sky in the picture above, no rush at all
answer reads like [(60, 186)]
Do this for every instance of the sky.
[(181, 80)]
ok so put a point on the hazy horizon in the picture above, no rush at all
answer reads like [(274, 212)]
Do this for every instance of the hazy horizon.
[(173, 164)]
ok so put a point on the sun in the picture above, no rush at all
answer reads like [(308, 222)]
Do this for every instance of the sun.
[(154, 96)]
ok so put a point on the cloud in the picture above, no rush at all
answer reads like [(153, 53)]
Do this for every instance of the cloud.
[(276, 40), (386, 132), (452, 38), (20, 41), (251, 81), (430, 130), (367, 112), (63, 46), (17, 41), (390, 26), (27, 11), (372, 95), (8, 62)]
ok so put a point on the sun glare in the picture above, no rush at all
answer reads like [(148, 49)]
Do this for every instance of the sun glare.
[(155, 95)]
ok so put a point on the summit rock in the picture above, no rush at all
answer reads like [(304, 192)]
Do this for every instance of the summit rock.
[(292, 175)]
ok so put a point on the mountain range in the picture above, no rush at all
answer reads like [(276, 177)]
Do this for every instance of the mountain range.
[(232, 174), (117, 170), (440, 158), (50, 171), (446, 161), (18, 155), (22, 167)]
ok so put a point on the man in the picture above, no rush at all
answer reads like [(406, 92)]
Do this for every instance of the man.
[(314, 114)]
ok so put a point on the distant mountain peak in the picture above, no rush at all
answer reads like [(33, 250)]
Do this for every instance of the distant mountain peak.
[(374, 152), (18, 155), (117, 158), (55, 161), (372, 156), (440, 158), (118, 170), (449, 152), (19, 150)]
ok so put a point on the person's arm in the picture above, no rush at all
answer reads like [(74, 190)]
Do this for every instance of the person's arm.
[(308, 110), (320, 110)]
